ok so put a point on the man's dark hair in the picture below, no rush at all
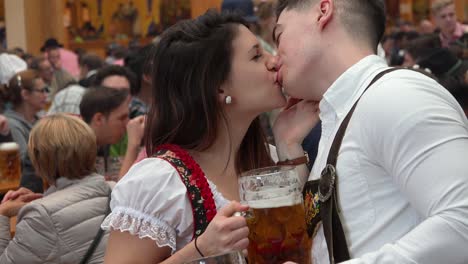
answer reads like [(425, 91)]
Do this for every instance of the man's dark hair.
[(102, 100), (117, 70), (139, 63), (363, 19), (91, 61)]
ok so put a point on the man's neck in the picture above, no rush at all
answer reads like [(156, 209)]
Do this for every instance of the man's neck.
[(334, 64)]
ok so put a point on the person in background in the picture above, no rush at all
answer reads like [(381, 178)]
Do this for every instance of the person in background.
[(418, 48), (105, 110), (68, 59), (27, 93), (449, 71), (10, 65), (55, 80), (118, 77), (426, 27), (139, 63), (59, 226), (67, 100), (89, 66), (61, 76), (266, 22), (445, 18)]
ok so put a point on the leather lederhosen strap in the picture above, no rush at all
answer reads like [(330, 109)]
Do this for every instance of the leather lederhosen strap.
[(320, 196)]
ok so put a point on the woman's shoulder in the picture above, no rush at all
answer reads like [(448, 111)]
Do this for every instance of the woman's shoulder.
[(149, 171), (148, 182)]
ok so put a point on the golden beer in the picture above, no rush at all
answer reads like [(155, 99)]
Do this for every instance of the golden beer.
[(10, 164), (276, 219)]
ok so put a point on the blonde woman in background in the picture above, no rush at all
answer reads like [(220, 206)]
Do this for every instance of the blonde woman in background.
[(61, 226)]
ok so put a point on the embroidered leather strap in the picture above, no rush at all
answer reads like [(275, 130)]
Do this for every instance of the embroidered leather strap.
[(327, 191), (198, 190)]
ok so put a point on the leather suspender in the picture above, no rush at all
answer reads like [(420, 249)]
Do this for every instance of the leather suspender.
[(327, 191)]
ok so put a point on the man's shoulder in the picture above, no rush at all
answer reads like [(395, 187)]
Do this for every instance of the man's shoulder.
[(401, 93)]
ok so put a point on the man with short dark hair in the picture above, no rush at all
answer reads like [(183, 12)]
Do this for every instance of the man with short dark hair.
[(398, 179), (127, 148), (106, 111)]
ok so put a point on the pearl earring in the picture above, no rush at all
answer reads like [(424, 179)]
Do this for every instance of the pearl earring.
[(228, 99)]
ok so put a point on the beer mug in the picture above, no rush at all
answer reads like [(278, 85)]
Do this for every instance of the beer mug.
[(10, 164), (228, 258), (276, 218)]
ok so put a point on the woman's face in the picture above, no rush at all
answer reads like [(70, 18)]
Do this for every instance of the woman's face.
[(251, 84), (37, 97)]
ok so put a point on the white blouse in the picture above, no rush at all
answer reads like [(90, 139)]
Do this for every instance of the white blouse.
[(151, 201)]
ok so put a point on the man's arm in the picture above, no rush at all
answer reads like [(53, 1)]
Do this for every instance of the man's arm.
[(419, 135)]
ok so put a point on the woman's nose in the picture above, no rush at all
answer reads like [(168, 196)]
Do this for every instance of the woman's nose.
[(272, 63)]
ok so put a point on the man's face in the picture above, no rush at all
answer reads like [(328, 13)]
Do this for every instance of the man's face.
[(446, 20), (299, 48), (54, 57), (46, 71), (115, 124)]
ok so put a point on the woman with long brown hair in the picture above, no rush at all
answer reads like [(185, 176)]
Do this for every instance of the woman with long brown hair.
[(211, 81)]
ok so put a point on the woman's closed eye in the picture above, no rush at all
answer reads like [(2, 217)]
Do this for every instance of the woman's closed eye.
[(257, 56)]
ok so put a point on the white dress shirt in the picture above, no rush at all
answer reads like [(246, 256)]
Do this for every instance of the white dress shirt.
[(402, 167)]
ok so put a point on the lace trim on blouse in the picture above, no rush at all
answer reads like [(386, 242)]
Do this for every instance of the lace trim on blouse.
[(143, 225)]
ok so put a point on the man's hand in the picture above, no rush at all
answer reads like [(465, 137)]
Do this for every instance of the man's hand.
[(135, 131), (295, 121)]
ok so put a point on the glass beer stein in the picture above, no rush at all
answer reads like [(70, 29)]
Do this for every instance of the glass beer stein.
[(235, 257), (276, 218), (10, 164)]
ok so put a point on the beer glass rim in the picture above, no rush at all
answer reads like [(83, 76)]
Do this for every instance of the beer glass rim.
[(237, 253), (258, 172), (9, 146)]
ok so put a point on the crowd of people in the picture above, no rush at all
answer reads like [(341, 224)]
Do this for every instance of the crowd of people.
[(137, 159)]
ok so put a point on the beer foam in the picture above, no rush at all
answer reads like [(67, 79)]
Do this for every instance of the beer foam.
[(9, 146), (276, 202)]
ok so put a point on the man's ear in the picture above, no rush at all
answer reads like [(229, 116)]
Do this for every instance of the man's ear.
[(98, 119), (326, 11)]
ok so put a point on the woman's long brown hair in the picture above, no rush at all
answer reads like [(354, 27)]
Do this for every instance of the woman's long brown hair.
[(190, 63)]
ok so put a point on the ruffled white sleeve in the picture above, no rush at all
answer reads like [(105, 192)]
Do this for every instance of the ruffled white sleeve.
[(151, 201)]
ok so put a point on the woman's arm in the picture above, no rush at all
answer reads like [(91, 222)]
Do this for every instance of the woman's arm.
[(225, 233)]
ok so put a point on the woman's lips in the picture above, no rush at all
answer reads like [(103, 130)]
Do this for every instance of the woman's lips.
[(279, 77)]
